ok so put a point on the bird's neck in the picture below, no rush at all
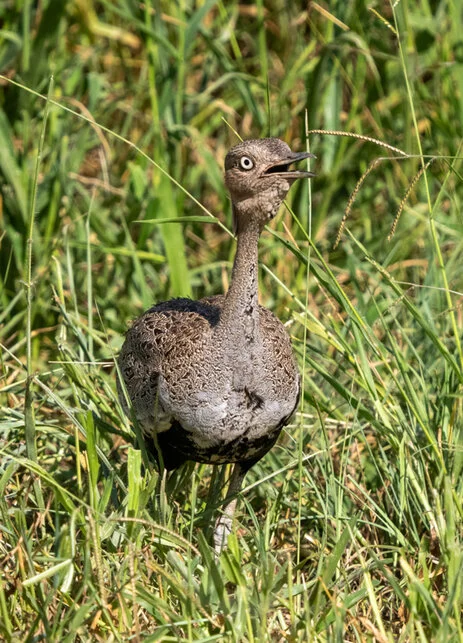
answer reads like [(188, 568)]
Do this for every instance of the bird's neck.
[(239, 319)]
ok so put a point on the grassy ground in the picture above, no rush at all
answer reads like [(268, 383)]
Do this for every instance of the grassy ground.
[(351, 528)]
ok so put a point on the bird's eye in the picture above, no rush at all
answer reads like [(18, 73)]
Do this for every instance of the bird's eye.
[(246, 163)]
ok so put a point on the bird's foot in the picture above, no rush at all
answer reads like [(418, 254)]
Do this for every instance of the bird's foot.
[(222, 530)]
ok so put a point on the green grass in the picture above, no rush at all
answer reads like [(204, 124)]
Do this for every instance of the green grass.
[(350, 529)]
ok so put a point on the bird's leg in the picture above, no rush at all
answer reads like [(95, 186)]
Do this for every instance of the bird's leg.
[(223, 525)]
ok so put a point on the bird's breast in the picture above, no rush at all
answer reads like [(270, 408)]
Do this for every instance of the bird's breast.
[(230, 409)]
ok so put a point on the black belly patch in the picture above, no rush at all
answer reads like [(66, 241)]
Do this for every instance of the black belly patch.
[(176, 447)]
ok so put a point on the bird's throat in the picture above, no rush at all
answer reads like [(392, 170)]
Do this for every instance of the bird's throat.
[(239, 319)]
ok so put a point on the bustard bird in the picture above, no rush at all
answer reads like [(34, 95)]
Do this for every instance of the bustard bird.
[(215, 380)]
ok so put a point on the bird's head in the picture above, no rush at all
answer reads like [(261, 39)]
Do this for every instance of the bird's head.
[(258, 177)]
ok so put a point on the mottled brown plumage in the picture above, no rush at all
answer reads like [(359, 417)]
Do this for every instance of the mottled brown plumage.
[(215, 380)]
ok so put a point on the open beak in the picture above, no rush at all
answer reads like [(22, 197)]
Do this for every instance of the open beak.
[(281, 168)]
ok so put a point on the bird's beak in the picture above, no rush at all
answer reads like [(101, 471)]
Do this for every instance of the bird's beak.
[(281, 168)]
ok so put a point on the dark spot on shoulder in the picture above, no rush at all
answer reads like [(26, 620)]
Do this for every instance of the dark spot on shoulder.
[(208, 310)]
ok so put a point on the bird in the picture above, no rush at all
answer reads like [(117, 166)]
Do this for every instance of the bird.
[(215, 380)]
